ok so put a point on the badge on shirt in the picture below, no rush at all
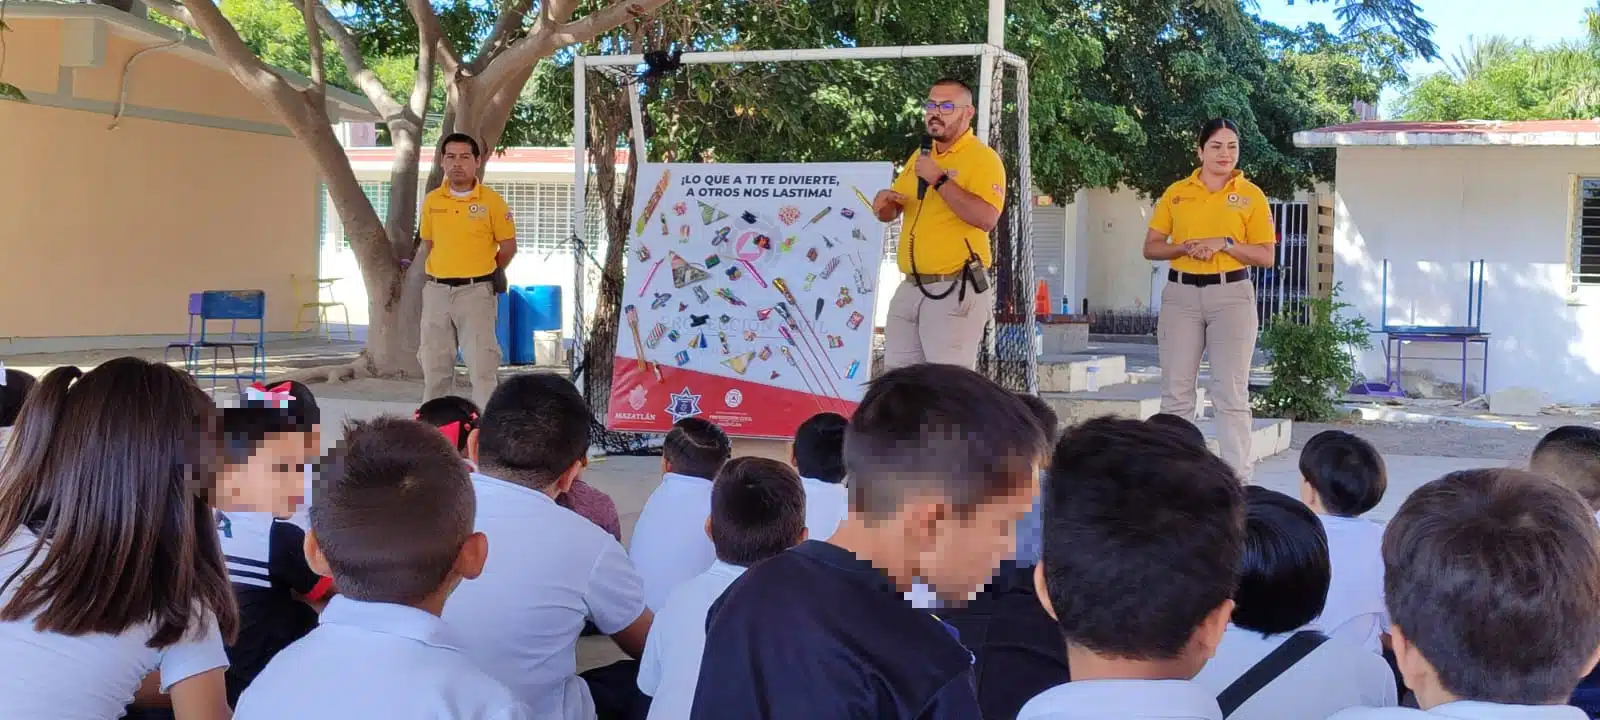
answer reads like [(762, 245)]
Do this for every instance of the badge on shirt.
[(1235, 201), (477, 211)]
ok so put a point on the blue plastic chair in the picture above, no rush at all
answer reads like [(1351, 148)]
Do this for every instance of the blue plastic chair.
[(232, 306), (189, 341)]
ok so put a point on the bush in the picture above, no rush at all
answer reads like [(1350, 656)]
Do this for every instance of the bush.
[(1310, 359)]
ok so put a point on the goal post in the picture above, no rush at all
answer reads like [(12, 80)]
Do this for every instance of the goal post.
[(1008, 351)]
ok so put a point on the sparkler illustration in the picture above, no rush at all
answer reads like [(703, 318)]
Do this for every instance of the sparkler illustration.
[(783, 287)]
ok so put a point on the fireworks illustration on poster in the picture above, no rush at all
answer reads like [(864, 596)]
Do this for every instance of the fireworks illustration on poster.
[(745, 293)]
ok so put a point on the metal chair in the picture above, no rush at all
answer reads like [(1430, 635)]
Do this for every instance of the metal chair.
[(314, 289), (1462, 337), (232, 306), (188, 344)]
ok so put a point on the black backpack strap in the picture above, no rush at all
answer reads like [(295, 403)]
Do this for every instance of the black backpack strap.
[(1269, 668)]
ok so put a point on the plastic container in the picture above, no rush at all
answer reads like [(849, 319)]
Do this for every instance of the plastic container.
[(1038, 340), (1092, 374)]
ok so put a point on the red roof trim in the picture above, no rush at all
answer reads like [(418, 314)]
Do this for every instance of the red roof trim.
[(1484, 127), (530, 155)]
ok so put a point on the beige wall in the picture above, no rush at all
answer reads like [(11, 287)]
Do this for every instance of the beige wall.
[(1114, 226), (106, 232)]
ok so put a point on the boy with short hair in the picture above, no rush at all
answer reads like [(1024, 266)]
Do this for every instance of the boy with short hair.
[(819, 457), (758, 509), (1493, 580), (669, 543), (1341, 478), (1570, 455), (1179, 424), (393, 526), (942, 463), (262, 484), (1144, 535), (521, 619)]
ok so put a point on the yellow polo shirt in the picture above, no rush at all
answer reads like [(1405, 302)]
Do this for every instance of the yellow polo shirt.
[(938, 233), (1189, 211), (466, 232)]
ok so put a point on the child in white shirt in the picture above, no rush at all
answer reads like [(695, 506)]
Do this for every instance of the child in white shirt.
[(394, 529), (1493, 581), (819, 457), (669, 543), (1143, 536), (110, 570), (1341, 478), (758, 509)]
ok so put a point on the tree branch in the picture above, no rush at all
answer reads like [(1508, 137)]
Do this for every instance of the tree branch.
[(499, 38), (318, 91), (356, 64), (430, 32), (553, 32), (249, 70)]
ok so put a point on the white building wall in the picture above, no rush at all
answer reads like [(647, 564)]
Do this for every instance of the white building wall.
[(1431, 212)]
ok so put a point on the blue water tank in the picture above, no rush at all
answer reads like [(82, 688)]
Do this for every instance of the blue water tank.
[(538, 309)]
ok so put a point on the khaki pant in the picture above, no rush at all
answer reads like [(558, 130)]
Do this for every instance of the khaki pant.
[(947, 331), (465, 313), (1221, 321)]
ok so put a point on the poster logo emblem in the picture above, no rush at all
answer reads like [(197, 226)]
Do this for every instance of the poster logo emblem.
[(637, 397), (683, 404), (733, 399)]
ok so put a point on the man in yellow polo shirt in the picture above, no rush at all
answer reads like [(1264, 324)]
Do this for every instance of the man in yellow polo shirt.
[(469, 236), (951, 196)]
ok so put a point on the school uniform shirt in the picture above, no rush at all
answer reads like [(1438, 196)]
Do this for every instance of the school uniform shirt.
[(1018, 647), (814, 632), (1338, 674), (87, 677), (267, 565), (669, 543), (549, 571), (377, 660), (1123, 700), (670, 667), (1467, 710), (1355, 609), (826, 505)]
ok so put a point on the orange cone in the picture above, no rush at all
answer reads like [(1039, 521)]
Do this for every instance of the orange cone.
[(1041, 299)]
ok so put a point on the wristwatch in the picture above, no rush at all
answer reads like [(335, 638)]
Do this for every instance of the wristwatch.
[(941, 181), (1227, 242)]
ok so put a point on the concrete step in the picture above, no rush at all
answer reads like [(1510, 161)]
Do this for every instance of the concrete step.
[(1070, 373), (1268, 437), (1136, 401)]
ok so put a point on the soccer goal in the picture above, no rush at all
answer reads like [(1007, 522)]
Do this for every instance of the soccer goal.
[(1008, 354)]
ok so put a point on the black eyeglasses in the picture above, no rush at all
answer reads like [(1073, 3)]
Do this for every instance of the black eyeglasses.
[(945, 108)]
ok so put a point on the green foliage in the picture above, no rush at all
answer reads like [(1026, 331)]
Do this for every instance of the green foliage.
[(1118, 87), (12, 92), (1310, 359), (1503, 79)]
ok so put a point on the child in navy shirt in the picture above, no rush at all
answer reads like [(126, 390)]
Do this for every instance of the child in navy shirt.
[(942, 463), (1143, 538), (1493, 580), (264, 450)]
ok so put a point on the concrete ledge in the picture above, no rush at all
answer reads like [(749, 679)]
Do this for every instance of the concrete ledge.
[(1128, 400), (1070, 373), (1064, 337), (1268, 436)]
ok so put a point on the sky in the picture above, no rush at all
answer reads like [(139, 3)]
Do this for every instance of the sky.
[(1542, 21)]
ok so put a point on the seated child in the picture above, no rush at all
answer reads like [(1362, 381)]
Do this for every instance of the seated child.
[(1143, 534), (1180, 425), (942, 463), (458, 418), (394, 529), (1285, 578), (298, 399), (14, 387), (1569, 455), (669, 543), (819, 457), (1493, 581), (109, 567), (261, 483), (1341, 478), (522, 618), (758, 509)]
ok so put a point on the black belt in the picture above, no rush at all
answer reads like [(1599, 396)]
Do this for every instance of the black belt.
[(1203, 280), (460, 282)]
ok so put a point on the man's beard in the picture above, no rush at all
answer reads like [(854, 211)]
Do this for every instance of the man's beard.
[(937, 131)]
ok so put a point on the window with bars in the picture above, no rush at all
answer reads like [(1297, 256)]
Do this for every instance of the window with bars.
[(542, 212), (1585, 262)]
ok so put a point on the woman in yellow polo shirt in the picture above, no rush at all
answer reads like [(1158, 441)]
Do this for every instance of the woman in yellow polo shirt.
[(1213, 226)]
